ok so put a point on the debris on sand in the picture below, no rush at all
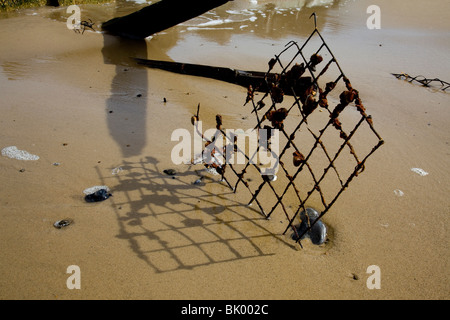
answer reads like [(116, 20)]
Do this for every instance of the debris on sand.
[(62, 223), (170, 172), (98, 196), (14, 153)]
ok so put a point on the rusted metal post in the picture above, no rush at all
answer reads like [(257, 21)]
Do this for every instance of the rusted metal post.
[(158, 17)]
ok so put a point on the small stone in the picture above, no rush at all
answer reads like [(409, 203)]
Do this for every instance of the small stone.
[(62, 223), (317, 233), (170, 172), (165, 100), (22, 170), (355, 276), (270, 177), (97, 196), (199, 181), (139, 95)]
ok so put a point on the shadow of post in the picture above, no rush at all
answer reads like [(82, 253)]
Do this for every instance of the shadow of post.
[(127, 105)]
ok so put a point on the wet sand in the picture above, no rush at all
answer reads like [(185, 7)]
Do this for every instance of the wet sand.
[(73, 100)]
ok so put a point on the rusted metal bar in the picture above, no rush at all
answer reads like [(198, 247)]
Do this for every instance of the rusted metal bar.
[(158, 17), (422, 80)]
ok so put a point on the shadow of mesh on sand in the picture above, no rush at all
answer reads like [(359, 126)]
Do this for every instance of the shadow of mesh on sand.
[(173, 224)]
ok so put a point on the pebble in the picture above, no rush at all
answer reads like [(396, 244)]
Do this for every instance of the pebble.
[(318, 233), (116, 170), (419, 171), (62, 223), (270, 177), (98, 196), (199, 181), (170, 172)]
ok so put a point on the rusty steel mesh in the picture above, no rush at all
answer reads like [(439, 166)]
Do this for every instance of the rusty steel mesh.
[(324, 133), (426, 82)]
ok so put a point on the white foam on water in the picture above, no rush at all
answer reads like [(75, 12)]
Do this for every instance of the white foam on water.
[(94, 189), (216, 22), (202, 28), (14, 153), (318, 3), (141, 1), (419, 171), (233, 12)]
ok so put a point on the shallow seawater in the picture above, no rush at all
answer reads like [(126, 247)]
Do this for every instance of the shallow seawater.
[(245, 34), (237, 29)]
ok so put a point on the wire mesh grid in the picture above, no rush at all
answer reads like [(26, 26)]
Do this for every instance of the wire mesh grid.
[(323, 141)]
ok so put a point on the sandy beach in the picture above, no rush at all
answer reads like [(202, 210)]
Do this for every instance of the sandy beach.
[(96, 118)]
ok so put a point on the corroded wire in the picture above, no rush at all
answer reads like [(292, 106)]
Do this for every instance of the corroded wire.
[(348, 98), (422, 80)]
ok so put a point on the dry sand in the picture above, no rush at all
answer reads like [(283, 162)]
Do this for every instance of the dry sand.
[(72, 99)]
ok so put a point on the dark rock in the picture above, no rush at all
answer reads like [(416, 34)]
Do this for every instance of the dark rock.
[(97, 196), (318, 232), (170, 172)]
